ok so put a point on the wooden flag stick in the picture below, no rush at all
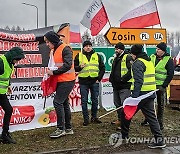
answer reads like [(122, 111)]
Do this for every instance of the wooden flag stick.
[(110, 112)]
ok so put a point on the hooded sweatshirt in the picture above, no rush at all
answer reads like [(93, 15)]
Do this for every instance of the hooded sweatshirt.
[(66, 53), (139, 68)]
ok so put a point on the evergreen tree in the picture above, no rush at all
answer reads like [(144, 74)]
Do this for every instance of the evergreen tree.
[(7, 28)]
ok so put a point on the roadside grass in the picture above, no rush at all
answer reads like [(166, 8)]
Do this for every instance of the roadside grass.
[(37, 140)]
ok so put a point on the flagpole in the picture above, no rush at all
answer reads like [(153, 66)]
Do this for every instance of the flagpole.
[(106, 13), (110, 112), (81, 39), (81, 48), (157, 13)]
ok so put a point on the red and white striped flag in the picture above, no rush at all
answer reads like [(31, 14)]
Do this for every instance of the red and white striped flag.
[(130, 104), (95, 17), (69, 33), (75, 36), (144, 16)]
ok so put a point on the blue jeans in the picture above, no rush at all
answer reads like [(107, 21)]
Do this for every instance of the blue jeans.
[(84, 91)]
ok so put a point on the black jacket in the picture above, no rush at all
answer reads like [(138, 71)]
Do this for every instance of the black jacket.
[(138, 69), (67, 60), (169, 67), (120, 82), (89, 80)]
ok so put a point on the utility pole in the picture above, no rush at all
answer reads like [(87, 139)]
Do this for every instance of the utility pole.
[(45, 13), (36, 13)]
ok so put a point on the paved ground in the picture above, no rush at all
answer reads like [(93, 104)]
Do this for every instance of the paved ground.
[(167, 150)]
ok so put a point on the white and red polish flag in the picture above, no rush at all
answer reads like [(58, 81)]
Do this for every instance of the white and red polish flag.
[(144, 16), (95, 17), (130, 104), (69, 33), (75, 36)]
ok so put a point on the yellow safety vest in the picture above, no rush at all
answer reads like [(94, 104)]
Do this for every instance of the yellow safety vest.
[(161, 72), (149, 83), (5, 77), (91, 67), (124, 69)]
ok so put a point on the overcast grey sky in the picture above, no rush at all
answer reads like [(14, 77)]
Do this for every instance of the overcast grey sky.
[(13, 12)]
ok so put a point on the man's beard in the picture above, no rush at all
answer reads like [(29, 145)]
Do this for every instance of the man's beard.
[(117, 54)]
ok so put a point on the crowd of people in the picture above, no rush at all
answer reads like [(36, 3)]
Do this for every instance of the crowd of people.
[(133, 74)]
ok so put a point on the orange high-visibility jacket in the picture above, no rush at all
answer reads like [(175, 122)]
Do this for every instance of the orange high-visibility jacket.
[(58, 59)]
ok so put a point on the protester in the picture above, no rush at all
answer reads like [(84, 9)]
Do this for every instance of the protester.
[(63, 58), (119, 77), (7, 62), (143, 82), (164, 68), (91, 69)]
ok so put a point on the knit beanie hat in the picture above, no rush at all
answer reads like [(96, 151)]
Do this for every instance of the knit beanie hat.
[(52, 37), (162, 46), (86, 43), (119, 46), (15, 53), (136, 49)]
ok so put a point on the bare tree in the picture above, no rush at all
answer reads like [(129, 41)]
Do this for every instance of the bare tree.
[(98, 40), (86, 36), (173, 40), (178, 39)]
